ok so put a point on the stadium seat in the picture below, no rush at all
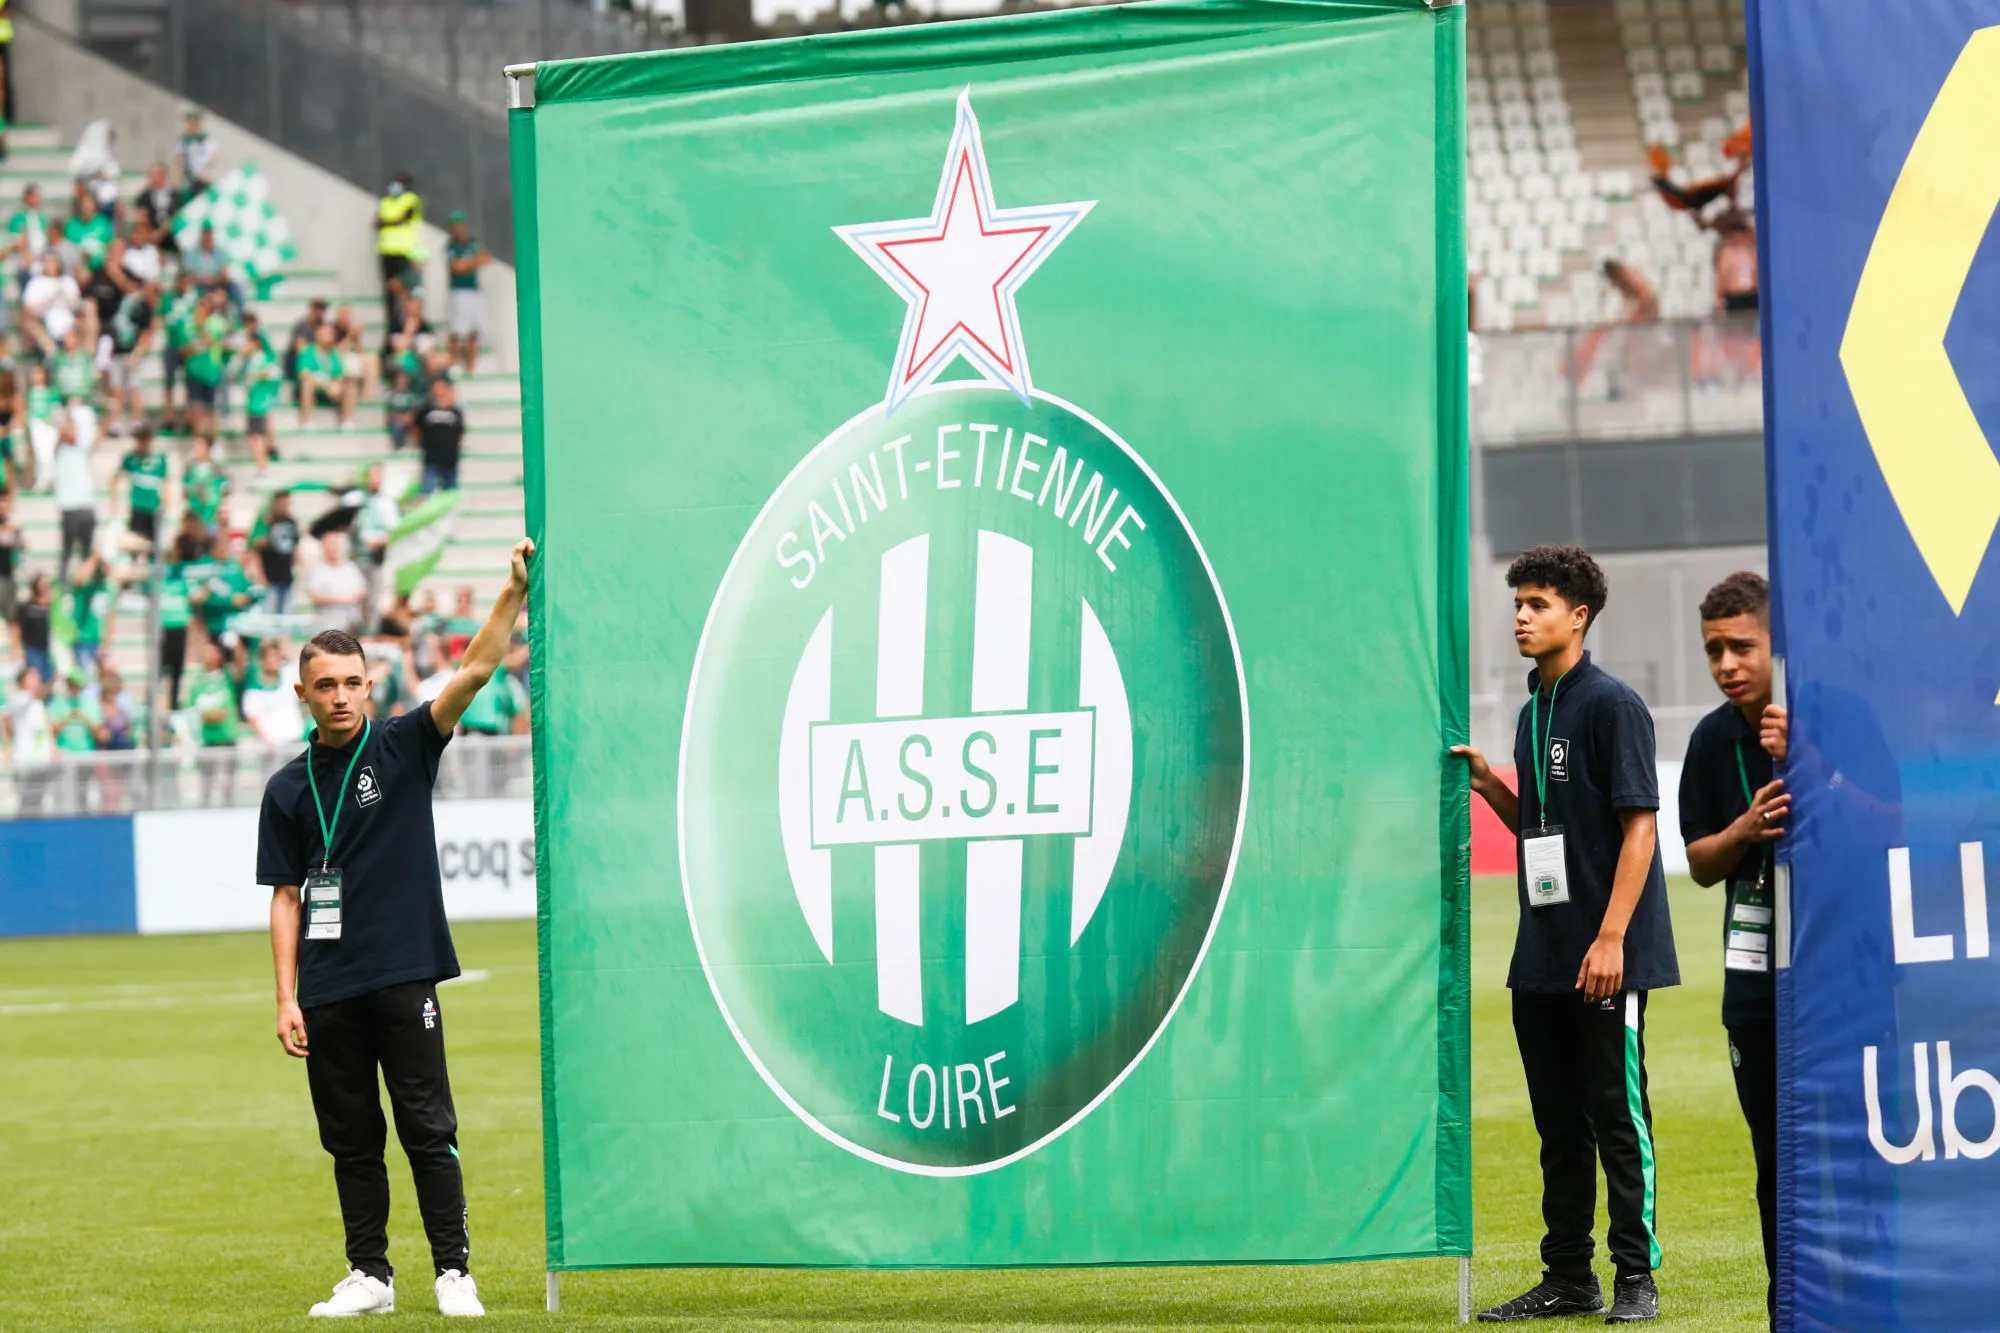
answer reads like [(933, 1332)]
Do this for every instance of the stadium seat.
[(1520, 139), (1678, 59), (1489, 164), (1520, 290), (1561, 161), (1686, 86), (1479, 113), (1662, 131), (1485, 238), (1482, 138), (1565, 236), (1534, 182), (1524, 238), (1639, 32), (1546, 88), (1503, 65), (1711, 29), (1643, 59), (1655, 106), (1718, 58), (1673, 31), (1497, 189), (1475, 66), (1541, 64), (1670, 9), (1589, 211), (1503, 263), (1548, 211), (1510, 213), (1649, 85), (1515, 113), (1558, 138), (1615, 183), (1736, 105), (1507, 89)]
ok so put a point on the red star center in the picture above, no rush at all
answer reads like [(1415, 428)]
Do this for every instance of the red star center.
[(961, 271)]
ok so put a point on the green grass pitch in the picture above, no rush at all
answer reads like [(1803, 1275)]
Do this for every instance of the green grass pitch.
[(159, 1169)]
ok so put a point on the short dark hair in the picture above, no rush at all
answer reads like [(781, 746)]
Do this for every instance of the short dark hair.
[(1569, 571), (333, 643), (1741, 594)]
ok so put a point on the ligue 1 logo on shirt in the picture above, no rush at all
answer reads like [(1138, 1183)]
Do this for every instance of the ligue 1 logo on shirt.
[(964, 769)]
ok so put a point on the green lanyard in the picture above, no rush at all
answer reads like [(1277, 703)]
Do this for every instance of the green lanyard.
[(1750, 799), (326, 826), (1535, 739)]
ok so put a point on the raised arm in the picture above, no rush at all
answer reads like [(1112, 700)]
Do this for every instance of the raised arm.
[(488, 648)]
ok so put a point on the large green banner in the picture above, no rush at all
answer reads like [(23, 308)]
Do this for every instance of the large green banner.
[(994, 815)]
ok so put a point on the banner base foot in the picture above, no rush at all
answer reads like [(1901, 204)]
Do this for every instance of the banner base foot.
[(555, 1294), (1464, 1290)]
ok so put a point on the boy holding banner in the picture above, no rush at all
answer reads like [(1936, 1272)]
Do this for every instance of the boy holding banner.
[(1594, 939), (1732, 814)]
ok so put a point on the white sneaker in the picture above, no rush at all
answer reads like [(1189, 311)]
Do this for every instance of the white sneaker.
[(357, 1293), (457, 1295)]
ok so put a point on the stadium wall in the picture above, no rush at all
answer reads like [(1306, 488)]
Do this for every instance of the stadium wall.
[(63, 85), (187, 871)]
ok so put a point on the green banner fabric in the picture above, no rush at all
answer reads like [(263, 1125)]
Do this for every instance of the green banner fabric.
[(999, 623)]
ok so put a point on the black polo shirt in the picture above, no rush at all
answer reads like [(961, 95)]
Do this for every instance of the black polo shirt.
[(1600, 761), (1711, 800), (385, 845)]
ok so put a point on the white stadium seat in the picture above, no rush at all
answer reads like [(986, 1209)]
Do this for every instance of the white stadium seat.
[(1589, 211), (1654, 106), (1718, 58), (1546, 212), (1711, 29), (1649, 85), (1736, 104), (1507, 89), (1667, 131), (1544, 263), (1482, 139), (1541, 63), (1574, 185), (1686, 86), (1615, 183), (1502, 263), (1556, 137), (1638, 32), (1524, 237), (1534, 184), (1488, 164), (1497, 189), (1678, 59), (1519, 139), (1516, 113), (1674, 32), (1479, 113), (1546, 88), (1519, 290), (1503, 65), (1643, 59), (1511, 213), (1566, 236), (1475, 66)]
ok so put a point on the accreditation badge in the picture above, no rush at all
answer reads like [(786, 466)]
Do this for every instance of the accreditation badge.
[(322, 903), (1746, 945), (1547, 868)]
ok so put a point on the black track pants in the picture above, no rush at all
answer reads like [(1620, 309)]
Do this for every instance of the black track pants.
[(1586, 1068), (401, 1030), (1753, 1055)]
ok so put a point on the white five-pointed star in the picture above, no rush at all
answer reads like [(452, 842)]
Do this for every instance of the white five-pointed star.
[(959, 268)]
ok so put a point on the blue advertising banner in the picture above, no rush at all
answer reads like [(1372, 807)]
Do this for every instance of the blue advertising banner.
[(1878, 173)]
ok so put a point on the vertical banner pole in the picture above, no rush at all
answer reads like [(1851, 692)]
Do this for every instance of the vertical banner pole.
[(1465, 1290), (555, 1293)]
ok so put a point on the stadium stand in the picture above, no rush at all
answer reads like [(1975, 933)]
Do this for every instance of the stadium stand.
[(1561, 103), (323, 464)]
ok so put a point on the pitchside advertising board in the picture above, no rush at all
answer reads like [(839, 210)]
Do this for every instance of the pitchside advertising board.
[(1878, 173), (1000, 621)]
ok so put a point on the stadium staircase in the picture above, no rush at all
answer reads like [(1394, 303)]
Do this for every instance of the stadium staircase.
[(490, 516)]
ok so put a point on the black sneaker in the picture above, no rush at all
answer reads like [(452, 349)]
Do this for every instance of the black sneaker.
[(1634, 1299), (1551, 1297)]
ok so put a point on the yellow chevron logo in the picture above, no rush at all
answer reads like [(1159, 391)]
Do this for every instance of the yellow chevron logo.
[(1939, 466)]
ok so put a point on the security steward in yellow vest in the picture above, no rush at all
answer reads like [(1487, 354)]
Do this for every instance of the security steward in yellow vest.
[(399, 221)]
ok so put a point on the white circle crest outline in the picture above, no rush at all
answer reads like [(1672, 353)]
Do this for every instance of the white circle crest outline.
[(680, 799)]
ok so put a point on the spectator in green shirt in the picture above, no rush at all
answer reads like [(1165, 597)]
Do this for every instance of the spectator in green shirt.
[(28, 231), (75, 371), (204, 359), (211, 697), (76, 719), (223, 592), (499, 709), (322, 378), (145, 473), (203, 485), (177, 316), (263, 376), (175, 608), (465, 256), (88, 232), (90, 607)]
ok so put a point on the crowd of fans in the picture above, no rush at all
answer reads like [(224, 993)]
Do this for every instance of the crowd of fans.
[(93, 292)]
